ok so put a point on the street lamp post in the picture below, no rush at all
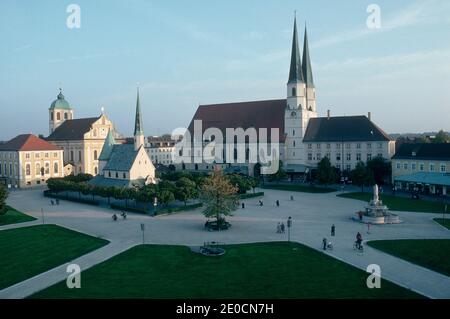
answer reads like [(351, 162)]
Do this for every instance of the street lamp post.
[(42, 213), (143, 233), (289, 225), (155, 204)]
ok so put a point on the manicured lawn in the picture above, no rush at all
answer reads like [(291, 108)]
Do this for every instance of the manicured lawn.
[(13, 216), (444, 222), (300, 188), (29, 251), (265, 270), (428, 253), (400, 203)]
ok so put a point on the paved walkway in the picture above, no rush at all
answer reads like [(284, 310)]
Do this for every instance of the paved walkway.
[(313, 215)]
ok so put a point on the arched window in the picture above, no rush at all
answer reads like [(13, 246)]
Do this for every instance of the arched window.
[(293, 132), (58, 116), (66, 116), (117, 175), (47, 168), (28, 169), (55, 168), (293, 143), (294, 92), (95, 155)]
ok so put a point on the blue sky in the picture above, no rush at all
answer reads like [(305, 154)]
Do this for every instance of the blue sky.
[(188, 52)]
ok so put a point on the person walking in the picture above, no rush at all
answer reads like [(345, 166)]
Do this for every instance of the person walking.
[(324, 243), (282, 228), (368, 228), (243, 205), (279, 228), (333, 230), (277, 203)]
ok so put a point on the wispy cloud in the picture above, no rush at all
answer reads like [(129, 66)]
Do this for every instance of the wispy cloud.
[(418, 13), (22, 48)]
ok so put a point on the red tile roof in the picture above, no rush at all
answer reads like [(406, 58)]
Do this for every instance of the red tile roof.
[(257, 114), (28, 142)]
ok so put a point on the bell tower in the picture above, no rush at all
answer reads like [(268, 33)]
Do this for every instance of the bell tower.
[(59, 111)]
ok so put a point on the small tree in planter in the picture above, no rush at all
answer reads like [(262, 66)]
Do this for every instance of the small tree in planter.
[(219, 199)]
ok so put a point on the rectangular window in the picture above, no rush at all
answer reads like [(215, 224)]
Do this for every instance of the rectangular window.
[(338, 146), (358, 157), (358, 146), (318, 146), (443, 168), (79, 156), (319, 156), (309, 157), (309, 146), (71, 156), (432, 167), (413, 166), (369, 145), (349, 157), (348, 146), (369, 157), (338, 156), (27, 155), (422, 167), (349, 167), (405, 166), (380, 155), (328, 146)]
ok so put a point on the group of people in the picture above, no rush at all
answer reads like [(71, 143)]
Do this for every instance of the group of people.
[(281, 229), (123, 214), (54, 202), (329, 245)]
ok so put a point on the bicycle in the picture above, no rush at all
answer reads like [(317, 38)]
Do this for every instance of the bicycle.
[(359, 247)]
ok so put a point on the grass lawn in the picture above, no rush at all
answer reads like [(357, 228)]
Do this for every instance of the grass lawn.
[(444, 222), (429, 253), (29, 251), (265, 270), (13, 216), (300, 188), (400, 203)]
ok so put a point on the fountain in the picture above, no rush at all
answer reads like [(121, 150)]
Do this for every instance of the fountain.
[(378, 213)]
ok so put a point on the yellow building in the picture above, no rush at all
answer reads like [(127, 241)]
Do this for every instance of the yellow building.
[(81, 139), (27, 160)]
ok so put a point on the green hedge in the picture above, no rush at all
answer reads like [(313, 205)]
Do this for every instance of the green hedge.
[(50, 194), (251, 195), (130, 209), (178, 209)]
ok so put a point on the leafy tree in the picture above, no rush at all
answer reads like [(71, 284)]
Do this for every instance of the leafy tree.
[(279, 175), (165, 197), (254, 182), (360, 175), (441, 137), (3, 196), (380, 169), (240, 181), (218, 196), (326, 174), (186, 190)]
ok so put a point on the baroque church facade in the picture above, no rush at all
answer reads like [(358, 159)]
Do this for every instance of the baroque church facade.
[(305, 138)]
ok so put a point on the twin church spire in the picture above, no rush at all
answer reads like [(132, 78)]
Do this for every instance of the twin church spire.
[(300, 72)]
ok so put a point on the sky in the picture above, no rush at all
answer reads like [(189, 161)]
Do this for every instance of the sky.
[(186, 53)]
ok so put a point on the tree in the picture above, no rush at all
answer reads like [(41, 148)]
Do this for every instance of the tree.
[(165, 197), (441, 137), (3, 196), (254, 182), (380, 169), (326, 174), (219, 197), (185, 190), (241, 182), (279, 175), (360, 175)]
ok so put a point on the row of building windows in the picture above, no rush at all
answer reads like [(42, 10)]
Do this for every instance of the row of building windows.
[(116, 175), (338, 157), (421, 167), (80, 156), (12, 170), (339, 145), (67, 116)]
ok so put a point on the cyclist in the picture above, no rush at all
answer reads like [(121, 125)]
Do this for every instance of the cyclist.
[(359, 240)]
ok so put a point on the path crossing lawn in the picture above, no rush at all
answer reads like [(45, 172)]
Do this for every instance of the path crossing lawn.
[(400, 203), (29, 251), (13, 216), (264, 270), (429, 253), (444, 222)]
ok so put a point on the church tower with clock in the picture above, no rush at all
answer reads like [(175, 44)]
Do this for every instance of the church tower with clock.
[(301, 102)]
